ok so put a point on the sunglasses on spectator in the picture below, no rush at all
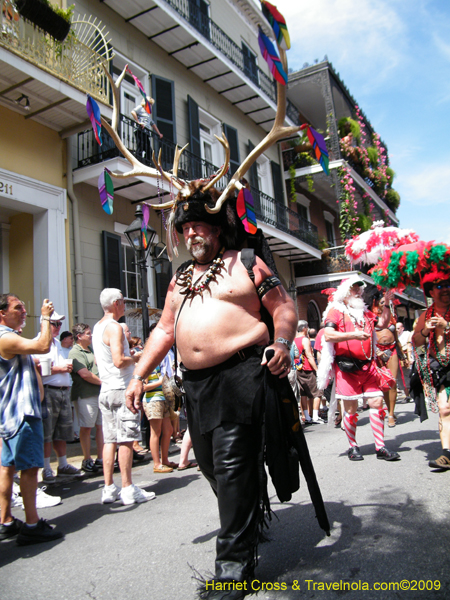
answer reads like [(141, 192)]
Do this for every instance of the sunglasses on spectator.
[(443, 285), (56, 323)]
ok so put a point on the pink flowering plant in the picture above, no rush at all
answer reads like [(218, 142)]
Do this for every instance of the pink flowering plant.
[(348, 205), (369, 157)]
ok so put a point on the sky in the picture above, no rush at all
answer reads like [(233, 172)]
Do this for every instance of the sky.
[(394, 57)]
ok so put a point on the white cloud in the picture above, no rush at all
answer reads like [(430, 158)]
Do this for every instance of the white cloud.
[(425, 185), (364, 37)]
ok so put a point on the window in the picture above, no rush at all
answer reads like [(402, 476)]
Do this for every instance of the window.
[(250, 66), (303, 207), (313, 316), (211, 150), (132, 277), (329, 228)]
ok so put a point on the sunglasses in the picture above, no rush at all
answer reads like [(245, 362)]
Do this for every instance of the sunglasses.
[(56, 323), (442, 286)]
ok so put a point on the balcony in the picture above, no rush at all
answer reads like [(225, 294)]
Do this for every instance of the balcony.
[(267, 210), (55, 77), (195, 40), (90, 153), (271, 214)]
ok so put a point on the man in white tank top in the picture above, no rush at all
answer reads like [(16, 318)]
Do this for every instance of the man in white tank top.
[(120, 425)]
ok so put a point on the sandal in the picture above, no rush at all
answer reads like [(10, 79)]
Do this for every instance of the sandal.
[(337, 422), (170, 464), (190, 465), (162, 469), (391, 421)]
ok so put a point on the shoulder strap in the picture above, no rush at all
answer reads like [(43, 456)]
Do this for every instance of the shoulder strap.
[(184, 266), (248, 260)]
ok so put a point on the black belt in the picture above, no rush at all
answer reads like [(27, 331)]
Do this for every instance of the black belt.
[(57, 387)]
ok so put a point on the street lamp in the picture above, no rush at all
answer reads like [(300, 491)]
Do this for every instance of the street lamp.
[(292, 290), (141, 241)]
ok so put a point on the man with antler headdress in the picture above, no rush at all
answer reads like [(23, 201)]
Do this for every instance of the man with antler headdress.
[(213, 312), (212, 309)]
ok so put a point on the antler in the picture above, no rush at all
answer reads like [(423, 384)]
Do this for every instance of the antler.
[(277, 132), (138, 168), (226, 165)]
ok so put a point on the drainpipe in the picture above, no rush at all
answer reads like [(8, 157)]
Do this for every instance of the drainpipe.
[(76, 237)]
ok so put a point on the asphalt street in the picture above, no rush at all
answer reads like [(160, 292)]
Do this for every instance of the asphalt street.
[(389, 540)]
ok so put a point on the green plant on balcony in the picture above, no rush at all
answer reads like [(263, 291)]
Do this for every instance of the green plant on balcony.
[(52, 19), (348, 126), (348, 205), (323, 244), (292, 183), (370, 161)]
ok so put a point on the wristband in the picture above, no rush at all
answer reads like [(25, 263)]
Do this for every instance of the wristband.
[(139, 378), (46, 318), (423, 335), (284, 341)]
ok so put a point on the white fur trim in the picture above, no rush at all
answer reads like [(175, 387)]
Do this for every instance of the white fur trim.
[(325, 371)]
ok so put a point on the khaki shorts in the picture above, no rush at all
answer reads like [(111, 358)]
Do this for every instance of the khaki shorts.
[(88, 411), (308, 384), (119, 423), (159, 409), (59, 423)]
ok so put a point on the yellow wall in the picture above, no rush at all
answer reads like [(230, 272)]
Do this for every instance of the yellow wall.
[(30, 149), (21, 265)]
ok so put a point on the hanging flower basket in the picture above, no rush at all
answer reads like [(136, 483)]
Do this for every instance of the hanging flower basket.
[(43, 16)]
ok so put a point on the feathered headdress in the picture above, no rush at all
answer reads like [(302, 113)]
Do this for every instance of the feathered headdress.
[(421, 264), (368, 247)]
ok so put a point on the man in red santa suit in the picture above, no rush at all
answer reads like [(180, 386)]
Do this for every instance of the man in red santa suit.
[(349, 347)]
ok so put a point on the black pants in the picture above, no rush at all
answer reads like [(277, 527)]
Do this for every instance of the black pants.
[(229, 458), (143, 146), (225, 415)]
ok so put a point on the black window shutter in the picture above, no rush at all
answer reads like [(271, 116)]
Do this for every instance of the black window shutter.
[(278, 193), (232, 136), (252, 178), (252, 174), (163, 272), (163, 111), (195, 170), (277, 182), (112, 261)]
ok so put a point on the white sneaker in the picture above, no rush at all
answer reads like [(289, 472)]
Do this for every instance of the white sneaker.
[(69, 471), (110, 494), (319, 421), (16, 498), (134, 495), (44, 500), (47, 475)]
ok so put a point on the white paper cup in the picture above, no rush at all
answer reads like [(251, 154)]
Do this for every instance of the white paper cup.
[(46, 367), (68, 361)]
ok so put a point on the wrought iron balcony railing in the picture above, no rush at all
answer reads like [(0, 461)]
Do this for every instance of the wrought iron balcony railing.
[(274, 213), (71, 61), (89, 152), (189, 10), (191, 167)]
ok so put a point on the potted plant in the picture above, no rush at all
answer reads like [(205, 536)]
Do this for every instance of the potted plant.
[(44, 16)]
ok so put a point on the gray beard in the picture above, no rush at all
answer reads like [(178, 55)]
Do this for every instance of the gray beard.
[(201, 251), (356, 308)]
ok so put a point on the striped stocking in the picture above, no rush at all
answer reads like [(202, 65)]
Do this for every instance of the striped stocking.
[(350, 427), (377, 423)]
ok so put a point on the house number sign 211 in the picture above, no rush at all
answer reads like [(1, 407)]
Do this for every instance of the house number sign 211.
[(6, 188)]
